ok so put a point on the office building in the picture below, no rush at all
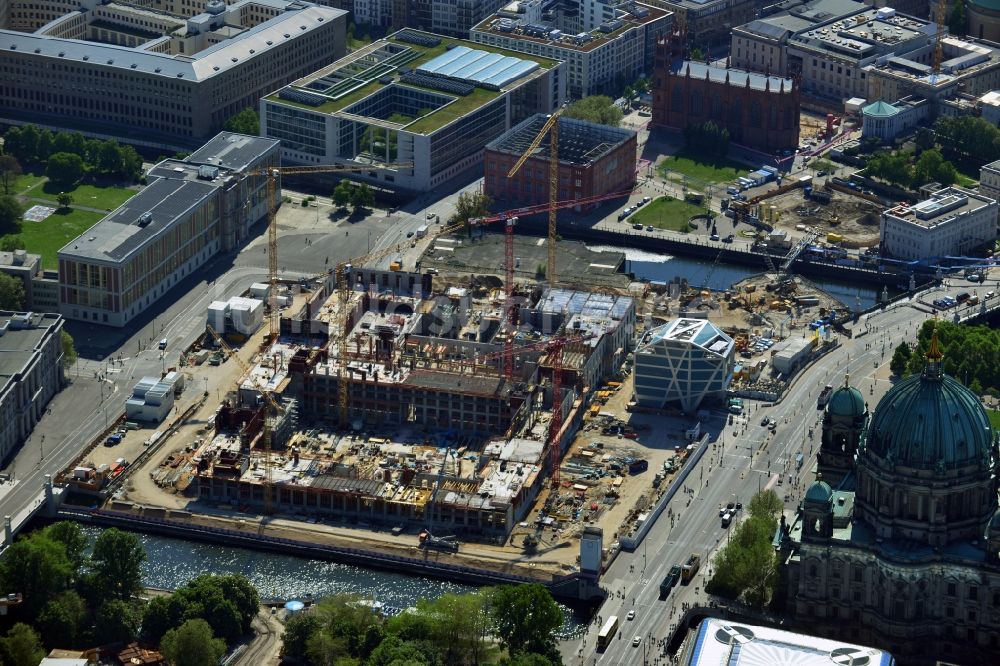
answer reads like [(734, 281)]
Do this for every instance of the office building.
[(32, 371), (451, 17), (719, 641), (901, 552), (759, 111), (989, 180), (412, 98), (604, 46), (189, 211), (683, 362), (952, 222), (41, 287), (705, 22), (162, 74), (593, 160)]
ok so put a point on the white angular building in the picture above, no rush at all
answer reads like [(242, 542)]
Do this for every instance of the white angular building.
[(683, 362), (952, 222)]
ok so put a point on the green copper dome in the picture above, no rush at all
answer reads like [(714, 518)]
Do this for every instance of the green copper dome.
[(819, 492), (931, 422), (847, 401)]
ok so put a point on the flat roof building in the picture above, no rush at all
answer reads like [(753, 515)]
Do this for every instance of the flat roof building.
[(707, 21), (952, 222), (31, 372), (593, 160), (190, 211), (989, 180), (156, 75), (411, 98), (604, 45)]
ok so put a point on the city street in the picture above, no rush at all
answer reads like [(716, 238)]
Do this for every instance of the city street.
[(744, 459)]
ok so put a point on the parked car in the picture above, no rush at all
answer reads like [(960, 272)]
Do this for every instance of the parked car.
[(714, 237), (649, 227), (630, 616)]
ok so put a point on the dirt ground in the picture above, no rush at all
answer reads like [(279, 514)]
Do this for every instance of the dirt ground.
[(810, 125), (854, 218)]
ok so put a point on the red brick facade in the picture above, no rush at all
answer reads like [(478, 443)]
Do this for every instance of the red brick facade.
[(760, 112), (610, 173)]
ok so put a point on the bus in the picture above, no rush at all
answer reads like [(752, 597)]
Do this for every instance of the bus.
[(607, 633)]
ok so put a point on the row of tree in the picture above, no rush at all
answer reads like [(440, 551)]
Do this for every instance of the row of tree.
[(968, 137), (508, 625), (971, 355), (358, 196), (69, 154), (902, 168), (599, 109), (746, 568)]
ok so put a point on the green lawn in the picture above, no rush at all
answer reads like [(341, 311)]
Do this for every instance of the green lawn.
[(994, 418), (51, 234), (667, 213), (104, 198), (965, 181), (25, 182), (712, 170)]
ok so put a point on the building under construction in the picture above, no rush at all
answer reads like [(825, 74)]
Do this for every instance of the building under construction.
[(594, 160), (435, 429)]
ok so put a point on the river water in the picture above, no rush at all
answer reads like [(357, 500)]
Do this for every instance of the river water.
[(171, 563), (664, 268)]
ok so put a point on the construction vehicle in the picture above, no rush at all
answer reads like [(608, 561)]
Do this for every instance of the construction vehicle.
[(690, 568), (530, 542)]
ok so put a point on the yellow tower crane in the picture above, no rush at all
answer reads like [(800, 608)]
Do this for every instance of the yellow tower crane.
[(551, 127), (938, 46)]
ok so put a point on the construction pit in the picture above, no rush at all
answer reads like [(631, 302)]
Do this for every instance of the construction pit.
[(848, 220), (441, 454)]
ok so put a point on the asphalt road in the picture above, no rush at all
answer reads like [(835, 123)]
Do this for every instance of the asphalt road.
[(734, 470)]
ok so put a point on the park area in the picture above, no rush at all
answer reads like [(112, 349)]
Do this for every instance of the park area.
[(706, 169), (668, 213), (46, 237)]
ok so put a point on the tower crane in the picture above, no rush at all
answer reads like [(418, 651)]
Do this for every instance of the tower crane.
[(551, 127), (942, 7), (273, 176), (272, 404)]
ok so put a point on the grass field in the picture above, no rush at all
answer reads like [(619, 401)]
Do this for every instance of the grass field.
[(994, 418), (713, 170), (104, 198), (667, 213), (51, 234), (25, 182)]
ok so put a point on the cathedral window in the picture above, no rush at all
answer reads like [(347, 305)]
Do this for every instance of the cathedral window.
[(677, 99)]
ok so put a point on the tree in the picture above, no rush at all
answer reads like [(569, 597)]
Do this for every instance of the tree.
[(766, 504), (342, 194), (10, 169), (957, 19), (298, 630), (900, 358), (697, 55), (37, 567), (116, 562), (706, 138), (192, 644), (469, 205), (527, 659), (131, 164), (525, 617), (22, 143), (10, 215), (394, 652), (599, 109), (22, 646), (629, 94), (62, 619), (65, 200), (11, 293), (65, 169), (109, 157), (116, 622), (923, 139), (68, 532), (227, 603), (362, 196), (746, 567), (68, 348), (245, 122), (9, 243)]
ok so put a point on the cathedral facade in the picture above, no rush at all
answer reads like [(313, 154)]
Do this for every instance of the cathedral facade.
[(897, 543)]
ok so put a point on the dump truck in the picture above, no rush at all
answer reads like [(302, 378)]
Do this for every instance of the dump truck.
[(690, 568)]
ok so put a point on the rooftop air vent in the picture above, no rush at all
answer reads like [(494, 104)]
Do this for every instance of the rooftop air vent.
[(269, 42), (235, 59), (110, 61), (62, 53), (86, 57), (157, 70), (133, 65)]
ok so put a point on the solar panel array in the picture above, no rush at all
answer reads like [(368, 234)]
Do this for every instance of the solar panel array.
[(482, 67), (418, 39), (438, 83), (301, 96)]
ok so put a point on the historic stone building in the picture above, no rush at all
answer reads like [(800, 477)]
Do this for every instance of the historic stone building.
[(903, 550), (760, 111)]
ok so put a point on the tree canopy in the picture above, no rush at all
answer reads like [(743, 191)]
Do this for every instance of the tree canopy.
[(31, 145), (227, 603), (10, 215), (11, 293), (971, 354), (902, 168), (746, 567), (599, 109), (469, 205), (116, 562), (192, 644), (10, 169), (65, 169), (706, 138), (968, 136), (68, 348), (245, 122)]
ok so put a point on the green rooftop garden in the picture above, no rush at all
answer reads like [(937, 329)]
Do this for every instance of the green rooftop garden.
[(439, 117)]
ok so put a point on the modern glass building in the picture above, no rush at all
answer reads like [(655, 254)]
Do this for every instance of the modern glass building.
[(682, 362), (411, 98)]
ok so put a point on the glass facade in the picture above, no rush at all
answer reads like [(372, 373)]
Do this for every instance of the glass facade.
[(468, 135), (297, 129)]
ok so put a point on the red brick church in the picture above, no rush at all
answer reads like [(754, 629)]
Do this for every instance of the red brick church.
[(760, 111)]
